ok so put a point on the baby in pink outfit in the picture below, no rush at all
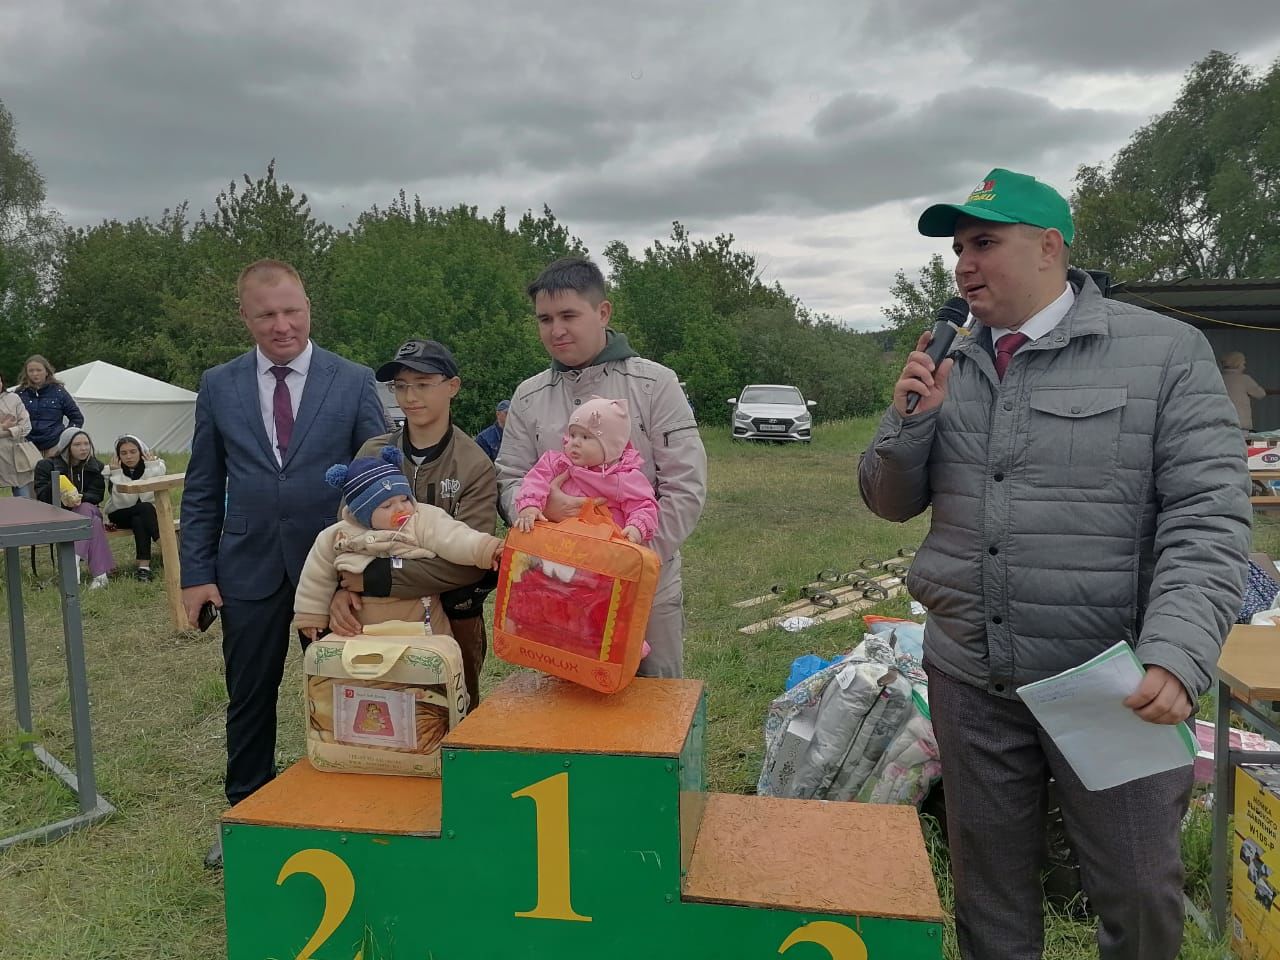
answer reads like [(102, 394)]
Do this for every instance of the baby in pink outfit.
[(598, 461)]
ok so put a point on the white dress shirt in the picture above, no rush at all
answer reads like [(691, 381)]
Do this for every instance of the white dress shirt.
[(299, 366), (1041, 323)]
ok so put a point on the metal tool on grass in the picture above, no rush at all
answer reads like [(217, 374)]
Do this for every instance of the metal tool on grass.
[(849, 600), (826, 598), (826, 577)]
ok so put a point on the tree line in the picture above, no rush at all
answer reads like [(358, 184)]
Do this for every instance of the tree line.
[(157, 296)]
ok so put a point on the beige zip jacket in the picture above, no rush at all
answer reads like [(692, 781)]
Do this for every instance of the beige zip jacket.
[(663, 431)]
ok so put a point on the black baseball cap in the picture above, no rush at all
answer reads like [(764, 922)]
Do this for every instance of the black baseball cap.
[(424, 356)]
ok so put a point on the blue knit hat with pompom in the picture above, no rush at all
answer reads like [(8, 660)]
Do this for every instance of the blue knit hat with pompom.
[(369, 482)]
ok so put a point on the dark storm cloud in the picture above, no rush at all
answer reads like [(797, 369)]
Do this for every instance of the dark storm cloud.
[(818, 127), (848, 166), (1085, 35)]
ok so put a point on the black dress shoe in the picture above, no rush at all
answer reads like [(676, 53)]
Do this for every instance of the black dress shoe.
[(143, 574), (213, 859)]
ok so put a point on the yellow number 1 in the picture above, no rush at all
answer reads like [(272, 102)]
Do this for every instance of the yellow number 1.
[(551, 805), (837, 939)]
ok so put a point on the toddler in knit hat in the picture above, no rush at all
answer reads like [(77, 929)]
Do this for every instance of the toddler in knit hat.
[(599, 461), (380, 518)]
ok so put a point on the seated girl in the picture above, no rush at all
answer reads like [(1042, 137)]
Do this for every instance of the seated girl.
[(81, 487), (134, 511)]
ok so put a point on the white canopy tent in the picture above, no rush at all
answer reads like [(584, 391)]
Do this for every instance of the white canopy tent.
[(115, 401)]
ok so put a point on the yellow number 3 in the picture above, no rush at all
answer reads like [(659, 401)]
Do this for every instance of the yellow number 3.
[(837, 939), (339, 891)]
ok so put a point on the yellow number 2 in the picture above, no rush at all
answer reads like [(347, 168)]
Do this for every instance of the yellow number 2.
[(551, 805), (837, 939), (339, 891)]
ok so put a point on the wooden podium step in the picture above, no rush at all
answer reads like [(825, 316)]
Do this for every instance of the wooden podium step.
[(304, 798), (570, 824), (537, 713), (767, 852)]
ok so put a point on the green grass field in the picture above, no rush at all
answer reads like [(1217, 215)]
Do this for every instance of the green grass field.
[(134, 887)]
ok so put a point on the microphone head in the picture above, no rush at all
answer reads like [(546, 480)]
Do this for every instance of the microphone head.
[(955, 310)]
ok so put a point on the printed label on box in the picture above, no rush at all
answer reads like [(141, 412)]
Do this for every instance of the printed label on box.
[(1255, 914), (1264, 456), (371, 716)]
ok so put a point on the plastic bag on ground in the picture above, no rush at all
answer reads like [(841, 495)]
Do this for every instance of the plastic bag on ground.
[(857, 728)]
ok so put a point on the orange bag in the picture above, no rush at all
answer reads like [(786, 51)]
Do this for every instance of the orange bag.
[(573, 600)]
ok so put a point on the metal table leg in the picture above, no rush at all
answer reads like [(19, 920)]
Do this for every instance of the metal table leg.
[(77, 678), (18, 638), (81, 781), (1221, 806)]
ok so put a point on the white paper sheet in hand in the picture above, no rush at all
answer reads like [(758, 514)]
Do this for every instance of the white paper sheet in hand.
[(1105, 742)]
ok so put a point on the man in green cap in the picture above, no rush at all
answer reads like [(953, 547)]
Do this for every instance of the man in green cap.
[(1088, 486)]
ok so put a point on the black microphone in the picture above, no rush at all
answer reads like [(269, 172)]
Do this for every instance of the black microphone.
[(952, 316)]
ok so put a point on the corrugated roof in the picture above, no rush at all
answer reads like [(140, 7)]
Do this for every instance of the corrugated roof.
[(1227, 302)]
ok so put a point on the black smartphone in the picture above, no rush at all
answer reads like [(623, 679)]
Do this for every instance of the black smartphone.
[(208, 614)]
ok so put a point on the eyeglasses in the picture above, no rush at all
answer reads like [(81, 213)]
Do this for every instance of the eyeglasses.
[(399, 387)]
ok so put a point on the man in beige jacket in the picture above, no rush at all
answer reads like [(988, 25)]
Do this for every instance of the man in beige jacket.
[(588, 359)]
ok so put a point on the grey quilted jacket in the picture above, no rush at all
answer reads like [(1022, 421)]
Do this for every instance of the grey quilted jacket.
[(1098, 493)]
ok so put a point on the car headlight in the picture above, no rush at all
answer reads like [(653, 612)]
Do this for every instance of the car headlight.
[(739, 415), (804, 418)]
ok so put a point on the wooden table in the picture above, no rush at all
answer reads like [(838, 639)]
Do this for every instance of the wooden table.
[(1248, 676), (163, 488), (24, 522), (1267, 502)]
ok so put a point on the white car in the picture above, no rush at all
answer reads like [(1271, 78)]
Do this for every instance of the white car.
[(771, 411)]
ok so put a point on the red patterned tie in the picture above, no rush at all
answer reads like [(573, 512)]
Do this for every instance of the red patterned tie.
[(282, 407), (1006, 347)]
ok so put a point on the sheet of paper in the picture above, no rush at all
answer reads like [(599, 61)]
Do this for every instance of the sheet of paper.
[(1105, 742)]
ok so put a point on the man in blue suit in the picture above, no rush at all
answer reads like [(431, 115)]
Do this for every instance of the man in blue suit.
[(268, 425)]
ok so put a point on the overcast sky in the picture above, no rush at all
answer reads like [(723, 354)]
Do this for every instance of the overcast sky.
[(814, 132)]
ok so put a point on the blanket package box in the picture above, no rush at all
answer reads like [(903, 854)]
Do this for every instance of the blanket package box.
[(573, 600), (1255, 865), (383, 701)]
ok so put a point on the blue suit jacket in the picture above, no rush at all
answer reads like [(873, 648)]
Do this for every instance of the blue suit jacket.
[(490, 440), (272, 512)]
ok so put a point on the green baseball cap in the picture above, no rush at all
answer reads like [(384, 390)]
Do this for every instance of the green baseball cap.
[(1003, 197)]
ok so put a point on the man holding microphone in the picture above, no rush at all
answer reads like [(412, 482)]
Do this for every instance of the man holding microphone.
[(1087, 485)]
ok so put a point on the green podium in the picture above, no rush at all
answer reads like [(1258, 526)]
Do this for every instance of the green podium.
[(566, 825)]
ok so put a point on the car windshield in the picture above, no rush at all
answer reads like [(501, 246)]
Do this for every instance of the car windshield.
[(771, 395)]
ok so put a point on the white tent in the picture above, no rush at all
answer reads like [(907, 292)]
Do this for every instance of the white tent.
[(115, 401)]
